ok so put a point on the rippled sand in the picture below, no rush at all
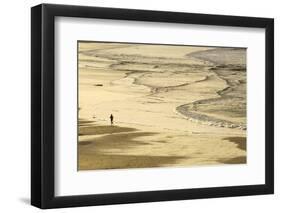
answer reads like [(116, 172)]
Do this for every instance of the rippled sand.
[(172, 105)]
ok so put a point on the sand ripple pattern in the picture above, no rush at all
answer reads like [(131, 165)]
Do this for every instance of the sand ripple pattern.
[(227, 107)]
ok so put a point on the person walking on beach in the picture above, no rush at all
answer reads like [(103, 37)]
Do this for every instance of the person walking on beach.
[(111, 119)]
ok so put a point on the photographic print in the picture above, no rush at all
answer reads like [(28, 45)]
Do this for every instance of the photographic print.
[(156, 105)]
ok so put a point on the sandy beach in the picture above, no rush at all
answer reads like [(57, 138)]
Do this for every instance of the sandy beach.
[(173, 106)]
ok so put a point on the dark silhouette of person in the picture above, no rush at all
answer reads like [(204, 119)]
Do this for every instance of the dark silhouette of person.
[(111, 119)]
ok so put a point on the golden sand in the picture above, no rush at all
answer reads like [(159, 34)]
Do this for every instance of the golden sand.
[(172, 106)]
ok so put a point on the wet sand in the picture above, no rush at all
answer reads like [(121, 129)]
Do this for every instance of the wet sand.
[(172, 106)]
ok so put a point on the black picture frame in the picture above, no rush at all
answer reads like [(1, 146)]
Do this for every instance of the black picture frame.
[(43, 102)]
